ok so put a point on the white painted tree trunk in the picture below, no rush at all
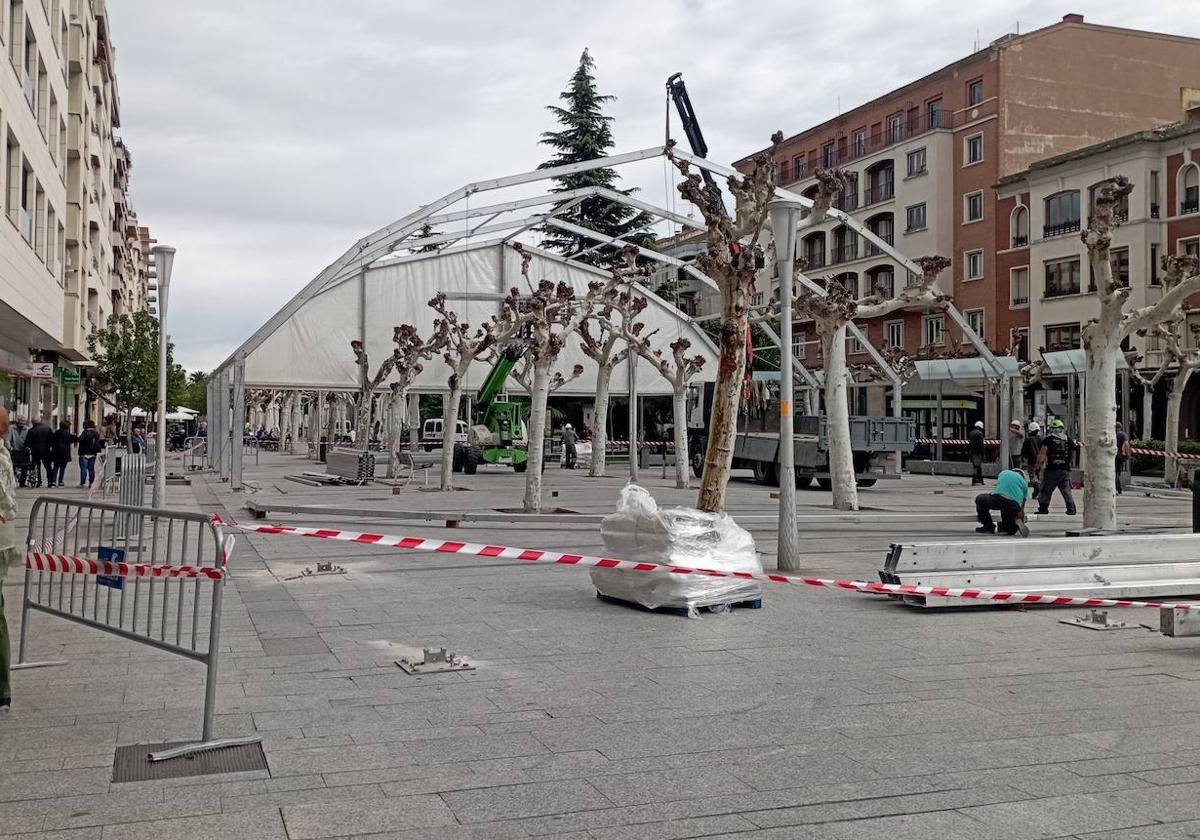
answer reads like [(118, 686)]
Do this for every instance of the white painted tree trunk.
[(1171, 438), (837, 416), (1101, 346), (679, 417), (450, 405), (537, 436), (395, 415), (331, 421), (1147, 412), (297, 419), (600, 421)]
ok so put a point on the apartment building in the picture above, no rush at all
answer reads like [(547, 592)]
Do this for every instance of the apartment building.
[(924, 160), (1047, 266), (67, 254)]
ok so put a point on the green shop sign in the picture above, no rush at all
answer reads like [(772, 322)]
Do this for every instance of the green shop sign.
[(68, 377)]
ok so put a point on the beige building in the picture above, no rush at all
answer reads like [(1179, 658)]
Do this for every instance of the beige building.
[(70, 257)]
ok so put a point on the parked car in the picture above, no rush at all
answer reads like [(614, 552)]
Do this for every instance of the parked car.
[(431, 433)]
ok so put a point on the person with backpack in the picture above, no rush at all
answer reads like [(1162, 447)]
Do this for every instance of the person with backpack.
[(90, 445), (39, 440), (22, 458), (60, 453), (1029, 454), (1054, 464)]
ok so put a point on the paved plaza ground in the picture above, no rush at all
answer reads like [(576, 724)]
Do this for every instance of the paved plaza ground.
[(826, 714)]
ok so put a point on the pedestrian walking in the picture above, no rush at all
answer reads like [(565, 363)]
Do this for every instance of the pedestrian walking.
[(1016, 440), (8, 551), (1054, 465), (569, 439), (22, 459), (1029, 454), (137, 439), (60, 454), (90, 445), (38, 441), (1012, 489), (1122, 455), (975, 451)]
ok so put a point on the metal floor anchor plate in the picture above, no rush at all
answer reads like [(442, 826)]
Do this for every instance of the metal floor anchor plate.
[(132, 763)]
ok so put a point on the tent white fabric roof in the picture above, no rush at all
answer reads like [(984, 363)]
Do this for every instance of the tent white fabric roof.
[(311, 347)]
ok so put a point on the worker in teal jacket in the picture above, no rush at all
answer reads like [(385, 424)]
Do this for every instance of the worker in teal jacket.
[(1012, 489)]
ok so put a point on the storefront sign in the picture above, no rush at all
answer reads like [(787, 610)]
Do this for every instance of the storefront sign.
[(40, 370), (68, 377)]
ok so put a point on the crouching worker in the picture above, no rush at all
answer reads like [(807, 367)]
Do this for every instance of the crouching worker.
[(1012, 489)]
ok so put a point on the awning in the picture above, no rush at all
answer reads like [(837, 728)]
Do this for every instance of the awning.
[(1074, 361), (973, 367)]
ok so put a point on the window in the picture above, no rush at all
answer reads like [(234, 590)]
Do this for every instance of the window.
[(933, 328), (1119, 258), (933, 113), (1154, 203), (1021, 343), (799, 346), (975, 321), (16, 35), (916, 162), (973, 150), (827, 155), (853, 345), (1155, 280), (1063, 337), (974, 207), (914, 217), (974, 265), (757, 300), (974, 92), (799, 167), (895, 128), (881, 281), (1062, 277), (1020, 226), (12, 189), (894, 333), (1189, 247), (860, 142), (1018, 286), (1189, 192), (1062, 213), (880, 182)]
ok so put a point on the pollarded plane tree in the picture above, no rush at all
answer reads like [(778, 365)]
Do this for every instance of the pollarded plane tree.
[(460, 346), (549, 316), (523, 373), (678, 369), (1178, 360), (411, 350), (1102, 339), (616, 333), (732, 257), (831, 313)]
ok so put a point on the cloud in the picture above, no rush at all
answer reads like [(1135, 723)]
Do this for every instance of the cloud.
[(268, 136)]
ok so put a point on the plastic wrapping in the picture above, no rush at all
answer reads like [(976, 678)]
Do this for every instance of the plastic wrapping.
[(640, 530)]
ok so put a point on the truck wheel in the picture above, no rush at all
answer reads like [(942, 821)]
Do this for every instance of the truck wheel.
[(521, 467), (429, 447), (825, 483), (457, 460), (803, 481), (471, 461), (764, 473), (867, 482)]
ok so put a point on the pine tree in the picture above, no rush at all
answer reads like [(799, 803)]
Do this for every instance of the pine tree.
[(587, 134)]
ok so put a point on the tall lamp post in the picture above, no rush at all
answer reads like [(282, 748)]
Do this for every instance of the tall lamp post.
[(164, 258), (785, 216)]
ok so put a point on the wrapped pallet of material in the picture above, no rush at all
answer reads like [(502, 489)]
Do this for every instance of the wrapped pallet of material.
[(642, 531)]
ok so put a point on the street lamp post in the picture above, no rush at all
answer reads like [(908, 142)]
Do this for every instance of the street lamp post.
[(784, 217), (164, 257)]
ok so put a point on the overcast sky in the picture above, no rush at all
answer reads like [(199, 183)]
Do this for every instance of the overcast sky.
[(268, 135)]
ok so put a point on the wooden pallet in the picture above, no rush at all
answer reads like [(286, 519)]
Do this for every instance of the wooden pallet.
[(754, 604)]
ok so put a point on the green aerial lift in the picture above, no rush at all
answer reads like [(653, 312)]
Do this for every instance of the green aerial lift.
[(498, 433)]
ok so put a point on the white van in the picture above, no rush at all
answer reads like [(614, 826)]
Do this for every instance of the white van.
[(431, 433)]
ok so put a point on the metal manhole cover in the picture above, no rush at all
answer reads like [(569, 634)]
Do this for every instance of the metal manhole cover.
[(132, 763)]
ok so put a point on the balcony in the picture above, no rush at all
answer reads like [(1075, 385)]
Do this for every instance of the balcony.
[(844, 253), (847, 202), (879, 192), (1192, 206), (815, 259), (1020, 241), (1060, 229), (874, 250)]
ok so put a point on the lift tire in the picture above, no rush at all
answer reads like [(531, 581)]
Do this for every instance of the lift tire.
[(764, 473), (867, 482), (457, 460), (471, 462), (521, 467)]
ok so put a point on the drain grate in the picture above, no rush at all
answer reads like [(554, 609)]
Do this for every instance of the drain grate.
[(132, 763)]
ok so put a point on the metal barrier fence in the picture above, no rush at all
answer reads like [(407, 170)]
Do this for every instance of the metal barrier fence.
[(195, 453), (131, 489), (146, 584)]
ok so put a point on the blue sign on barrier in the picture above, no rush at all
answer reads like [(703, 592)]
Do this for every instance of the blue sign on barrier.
[(110, 555)]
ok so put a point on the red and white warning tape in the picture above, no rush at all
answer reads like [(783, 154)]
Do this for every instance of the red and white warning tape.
[(957, 441), (537, 556), (1187, 456), (42, 562)]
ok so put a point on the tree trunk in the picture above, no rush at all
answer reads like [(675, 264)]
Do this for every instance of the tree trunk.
[(362, 420), (450, 404), (397, 404), (296, 419), (837, 414), (679, 412), (600, 421), (1147, 427), (537, 436), (331, 422), (722, 425), (1100, 422), (1171, 438)]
